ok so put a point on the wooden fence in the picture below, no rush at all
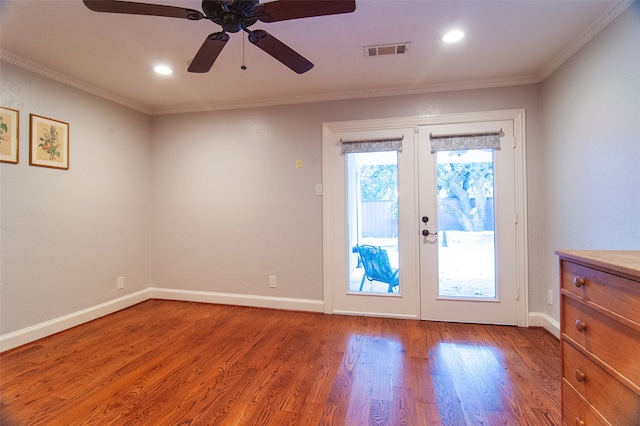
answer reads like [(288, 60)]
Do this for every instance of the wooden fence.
[(380, 221)]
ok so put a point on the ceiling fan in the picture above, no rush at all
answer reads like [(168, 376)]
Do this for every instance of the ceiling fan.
[(233, 16)]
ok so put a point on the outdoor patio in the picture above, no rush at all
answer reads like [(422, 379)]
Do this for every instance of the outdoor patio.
[(466, 265)]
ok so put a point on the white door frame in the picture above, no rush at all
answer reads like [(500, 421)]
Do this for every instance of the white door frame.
[(406, 302), (503, 307), (333, 217)]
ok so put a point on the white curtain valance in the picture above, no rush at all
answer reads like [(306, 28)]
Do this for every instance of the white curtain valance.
[(372, 145), (462, 142)]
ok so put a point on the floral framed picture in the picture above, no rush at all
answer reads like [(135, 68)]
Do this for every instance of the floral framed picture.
[(49, 145), (9, 131)]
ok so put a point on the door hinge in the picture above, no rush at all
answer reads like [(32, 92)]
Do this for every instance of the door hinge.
[(416, 129)]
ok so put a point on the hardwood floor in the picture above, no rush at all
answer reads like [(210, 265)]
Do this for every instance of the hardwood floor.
[(181, 363)]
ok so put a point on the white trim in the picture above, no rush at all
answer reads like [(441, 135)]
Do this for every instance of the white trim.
[(542, 74), (14, 59), (375, 314), (329, 223), (422, 120), (357, 94), (542, 319), (599, 24), (56, 325), (251, 300), (522, 243), (47, 328)]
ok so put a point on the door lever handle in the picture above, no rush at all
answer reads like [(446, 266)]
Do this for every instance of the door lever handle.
[(426, 232)]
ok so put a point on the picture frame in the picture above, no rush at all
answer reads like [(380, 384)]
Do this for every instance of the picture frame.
[(49, 145), (9, 135)]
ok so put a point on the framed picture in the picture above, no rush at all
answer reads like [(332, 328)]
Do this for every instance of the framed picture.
[(9, 130), (49, 145)]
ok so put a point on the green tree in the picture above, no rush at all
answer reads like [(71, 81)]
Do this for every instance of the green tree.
[(380, 182), (467, 181)]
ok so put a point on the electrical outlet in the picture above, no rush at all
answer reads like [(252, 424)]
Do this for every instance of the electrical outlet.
[(318, 189), (550, 297), (272, 281), (120, 283)]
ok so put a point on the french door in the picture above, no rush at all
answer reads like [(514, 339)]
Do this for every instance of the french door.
[(412, 233), (347, 287), (468, 212)]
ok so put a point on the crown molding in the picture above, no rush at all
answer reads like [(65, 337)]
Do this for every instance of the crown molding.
[(360, 94), (325, 97), (21, 62), (599, 24), (604, 20)]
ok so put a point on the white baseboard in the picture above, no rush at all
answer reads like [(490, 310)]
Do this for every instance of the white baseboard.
[(541, 319), (38, 331), (376, 314), (285, 303), (47, 328), (56, 325)]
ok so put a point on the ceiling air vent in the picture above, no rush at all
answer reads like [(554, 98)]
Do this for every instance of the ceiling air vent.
[(386, 49)]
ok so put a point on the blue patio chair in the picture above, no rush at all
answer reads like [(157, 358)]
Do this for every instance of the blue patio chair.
[(376, 266)]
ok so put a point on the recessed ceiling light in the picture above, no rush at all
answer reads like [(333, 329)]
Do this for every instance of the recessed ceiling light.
[(163, 69), (452, 36)]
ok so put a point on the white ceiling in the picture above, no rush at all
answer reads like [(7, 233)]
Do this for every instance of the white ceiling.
[(507, 42)]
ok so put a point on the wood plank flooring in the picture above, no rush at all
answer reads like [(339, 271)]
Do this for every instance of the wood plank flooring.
[(181, 363)]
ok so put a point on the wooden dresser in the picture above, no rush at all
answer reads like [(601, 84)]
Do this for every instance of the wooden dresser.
[(600, 329)]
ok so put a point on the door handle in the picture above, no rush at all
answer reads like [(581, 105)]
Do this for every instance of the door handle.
[(425, 232)]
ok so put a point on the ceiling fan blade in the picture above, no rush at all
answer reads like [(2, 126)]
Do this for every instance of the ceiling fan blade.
[(132, 8), (208, 53), (283, 10), (280, 51)]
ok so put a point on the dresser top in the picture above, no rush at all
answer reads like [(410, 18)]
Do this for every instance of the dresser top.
[(622, 261)]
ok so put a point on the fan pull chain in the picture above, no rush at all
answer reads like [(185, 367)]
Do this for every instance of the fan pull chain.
[(243, 67)]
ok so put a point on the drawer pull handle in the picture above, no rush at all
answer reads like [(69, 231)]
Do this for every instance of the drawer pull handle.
[(579, 422), (580, 376), (578, 281), (580, 325)]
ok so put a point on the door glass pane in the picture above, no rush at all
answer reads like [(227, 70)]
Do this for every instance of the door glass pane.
[(466, 245), (372, 208)]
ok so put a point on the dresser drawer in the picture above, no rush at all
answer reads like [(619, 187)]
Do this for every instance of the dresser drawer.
[(612, 292), (617, 403), (614, 343), (576, 410)]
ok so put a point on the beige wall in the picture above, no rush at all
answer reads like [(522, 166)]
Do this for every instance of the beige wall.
[(67, 235), (213, 201), (591, 138), (227, 205), (230, 208)]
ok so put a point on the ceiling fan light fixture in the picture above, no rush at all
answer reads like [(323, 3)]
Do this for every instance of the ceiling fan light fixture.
[(163, 70), (235, 16), (452, 36)]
